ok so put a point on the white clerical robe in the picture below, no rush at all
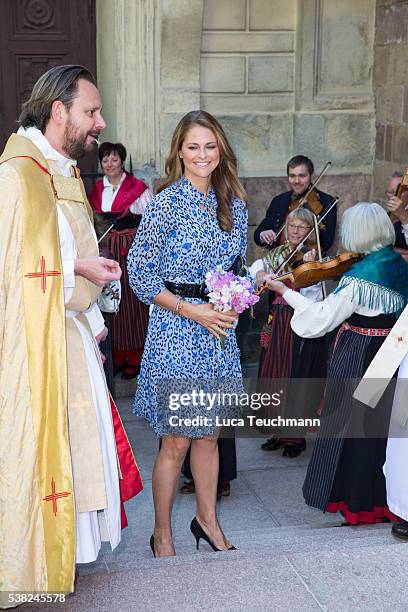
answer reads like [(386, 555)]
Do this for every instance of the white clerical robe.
[(396, 462), (91, 527)]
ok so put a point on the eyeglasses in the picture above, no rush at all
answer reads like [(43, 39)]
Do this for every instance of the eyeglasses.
[(299, 227)]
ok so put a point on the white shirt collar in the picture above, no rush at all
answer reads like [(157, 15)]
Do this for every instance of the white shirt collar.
[(39, 140), (107, 183)]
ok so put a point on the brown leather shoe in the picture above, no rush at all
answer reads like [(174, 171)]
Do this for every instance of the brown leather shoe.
[(188, 487), (223, 489)]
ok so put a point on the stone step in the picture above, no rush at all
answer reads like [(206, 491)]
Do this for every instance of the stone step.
[(273, 542), (287, 540)]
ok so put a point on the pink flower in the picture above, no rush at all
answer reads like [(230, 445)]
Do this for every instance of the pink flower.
[(226, 291)]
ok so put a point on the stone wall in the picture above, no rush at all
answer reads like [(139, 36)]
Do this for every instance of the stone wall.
[(283, 77), (289, 76), (391, 92), (127, 65)]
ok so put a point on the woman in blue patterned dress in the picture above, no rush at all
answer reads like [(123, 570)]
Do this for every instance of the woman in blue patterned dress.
[(198, 221)]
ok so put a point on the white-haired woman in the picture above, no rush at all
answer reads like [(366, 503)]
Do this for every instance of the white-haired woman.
[(345, 470)]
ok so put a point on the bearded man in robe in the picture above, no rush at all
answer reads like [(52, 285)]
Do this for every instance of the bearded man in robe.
[(64, 476)]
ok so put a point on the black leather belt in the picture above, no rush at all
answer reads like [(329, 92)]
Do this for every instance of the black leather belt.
[(199, 291), (187, 290)]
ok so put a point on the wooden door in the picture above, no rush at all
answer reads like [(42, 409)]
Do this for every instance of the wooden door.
[(36, 35)]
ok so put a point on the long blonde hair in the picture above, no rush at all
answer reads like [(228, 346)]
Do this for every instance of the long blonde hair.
[(224, 178)]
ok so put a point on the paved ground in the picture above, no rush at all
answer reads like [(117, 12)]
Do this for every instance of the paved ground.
[(290, 558)]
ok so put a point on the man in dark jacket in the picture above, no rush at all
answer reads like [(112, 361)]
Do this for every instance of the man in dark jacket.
[(299, 171)]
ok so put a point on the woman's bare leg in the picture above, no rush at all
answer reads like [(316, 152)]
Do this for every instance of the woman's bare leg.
[(204, 467), (165, 477)]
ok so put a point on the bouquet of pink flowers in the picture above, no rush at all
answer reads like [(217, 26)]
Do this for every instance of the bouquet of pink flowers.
[(227, 291)]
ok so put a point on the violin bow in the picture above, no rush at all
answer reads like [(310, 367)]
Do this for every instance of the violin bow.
[(319, 251), (301, 243), (123, 214), (308, 192)]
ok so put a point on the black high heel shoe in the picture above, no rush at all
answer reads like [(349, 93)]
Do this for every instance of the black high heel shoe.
[(152, 545), (198, 532)]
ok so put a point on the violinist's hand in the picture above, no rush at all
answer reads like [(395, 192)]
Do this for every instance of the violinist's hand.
[(267, 237), (397, 207), (393, 204), (310, 256), (275, 285)]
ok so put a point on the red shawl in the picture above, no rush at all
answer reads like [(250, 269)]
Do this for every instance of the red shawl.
[(130, 190)]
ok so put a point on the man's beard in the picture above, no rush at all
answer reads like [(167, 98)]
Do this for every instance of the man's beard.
[(75, 145)]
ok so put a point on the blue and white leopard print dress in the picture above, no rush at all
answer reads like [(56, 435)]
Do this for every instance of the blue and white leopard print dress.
[(179, 240)]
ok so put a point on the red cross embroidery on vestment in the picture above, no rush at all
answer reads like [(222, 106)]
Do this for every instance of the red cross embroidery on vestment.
[(54, 496), (43, 274)]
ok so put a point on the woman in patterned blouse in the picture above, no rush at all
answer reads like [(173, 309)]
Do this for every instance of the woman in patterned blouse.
[(196, 222)]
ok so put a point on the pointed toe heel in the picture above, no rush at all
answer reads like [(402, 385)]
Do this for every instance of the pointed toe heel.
[(152, 545), (198, 532)]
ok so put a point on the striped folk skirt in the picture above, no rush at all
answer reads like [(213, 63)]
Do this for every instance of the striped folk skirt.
[(129, 325), (301, 367), (345, 470), (276, 359)]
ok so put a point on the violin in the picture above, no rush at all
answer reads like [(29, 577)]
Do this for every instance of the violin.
[(312, 202), (307, 198), (313, 272), (401, 193), (301, 244), (292, 257), (403, 187)]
